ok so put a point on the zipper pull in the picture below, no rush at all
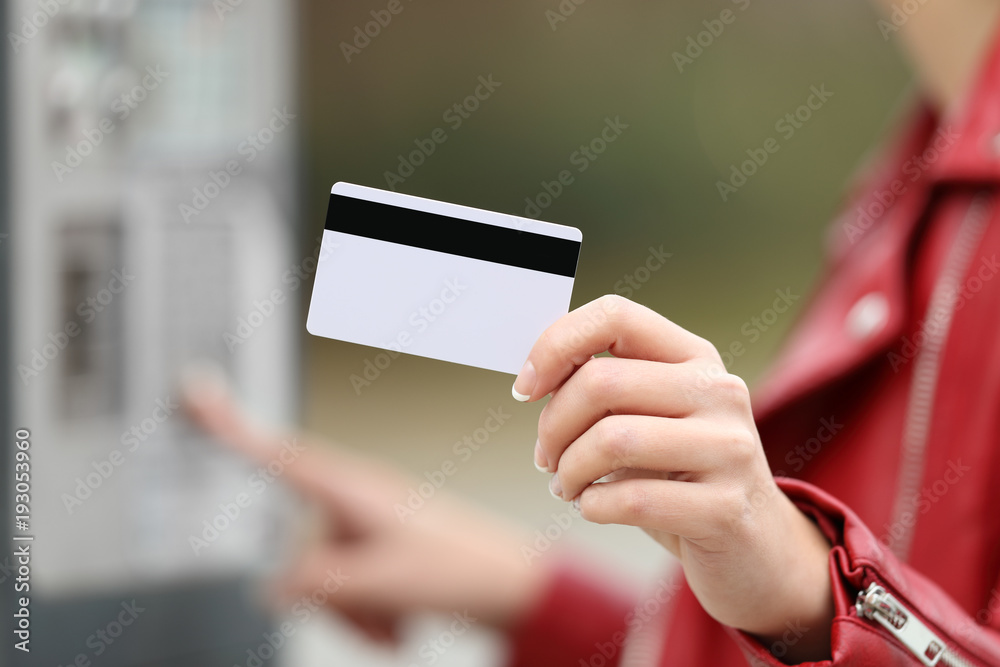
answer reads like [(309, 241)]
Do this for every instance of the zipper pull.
[(878, 605)]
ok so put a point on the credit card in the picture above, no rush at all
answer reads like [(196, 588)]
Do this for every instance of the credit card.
[(439, 280)]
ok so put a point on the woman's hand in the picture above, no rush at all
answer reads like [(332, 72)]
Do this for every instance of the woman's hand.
[(446, 557), (676, 434)]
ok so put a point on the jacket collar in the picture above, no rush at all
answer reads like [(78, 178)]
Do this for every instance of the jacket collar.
[(974, 125), (869, 255)]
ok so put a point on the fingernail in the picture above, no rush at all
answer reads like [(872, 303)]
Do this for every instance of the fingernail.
[(524, 384), (555, 488), (541, 462), (576, 504)]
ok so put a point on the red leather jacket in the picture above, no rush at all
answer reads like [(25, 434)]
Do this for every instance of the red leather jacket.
[(881, 420)]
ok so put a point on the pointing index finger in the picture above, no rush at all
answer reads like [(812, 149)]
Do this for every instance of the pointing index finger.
[(608, 324)]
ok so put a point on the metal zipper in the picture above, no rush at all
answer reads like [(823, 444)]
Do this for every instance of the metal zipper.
[(927, 367), (876, 604)]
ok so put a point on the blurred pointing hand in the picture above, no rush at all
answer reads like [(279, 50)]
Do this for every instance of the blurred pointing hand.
[(446, 558)]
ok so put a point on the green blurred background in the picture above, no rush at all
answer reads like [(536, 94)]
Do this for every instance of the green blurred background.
[(655, 186)]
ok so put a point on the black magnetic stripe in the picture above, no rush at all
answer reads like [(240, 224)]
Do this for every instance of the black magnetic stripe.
[(455, 236)]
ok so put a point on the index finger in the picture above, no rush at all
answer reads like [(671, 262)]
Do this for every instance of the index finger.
[(608, 324), (213, 408), (210, 404)]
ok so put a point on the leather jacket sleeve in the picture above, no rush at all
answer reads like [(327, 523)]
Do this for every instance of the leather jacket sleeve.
[(887, 615)]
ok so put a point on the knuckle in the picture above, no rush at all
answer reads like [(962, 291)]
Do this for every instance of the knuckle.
[(634, 503), (732, 510), (612, 304), (599, 377), (547, 342), (741, 446), (732, 388), (546, 425), (707, 350), (707, 374), (616, 440), (611, 309)]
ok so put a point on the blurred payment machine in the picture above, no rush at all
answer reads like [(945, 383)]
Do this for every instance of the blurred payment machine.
[(149, 201)]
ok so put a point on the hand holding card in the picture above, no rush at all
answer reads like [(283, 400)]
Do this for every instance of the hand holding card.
[(439, 280)]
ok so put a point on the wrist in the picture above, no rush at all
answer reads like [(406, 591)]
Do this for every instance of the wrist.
[(800, 630)]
